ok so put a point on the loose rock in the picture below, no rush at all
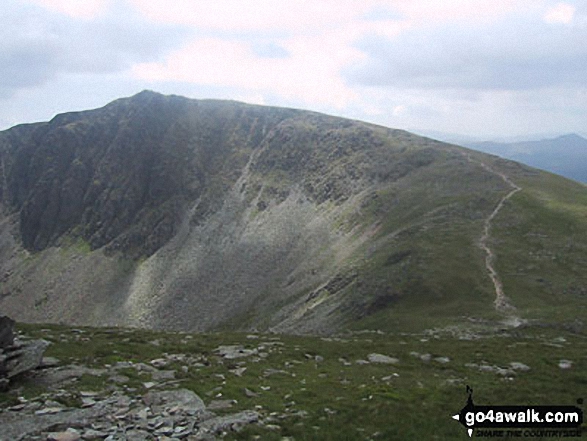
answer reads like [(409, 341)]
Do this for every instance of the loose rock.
[(379, 358)]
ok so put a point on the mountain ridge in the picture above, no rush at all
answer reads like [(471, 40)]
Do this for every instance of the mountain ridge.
[(564, 155), (166, 212)]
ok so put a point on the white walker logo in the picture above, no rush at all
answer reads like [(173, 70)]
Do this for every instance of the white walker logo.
[(552, 421)]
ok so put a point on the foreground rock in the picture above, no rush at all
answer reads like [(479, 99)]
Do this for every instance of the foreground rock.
[(168, 414), (15, 357)]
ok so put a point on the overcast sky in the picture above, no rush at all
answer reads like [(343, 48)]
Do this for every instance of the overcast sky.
[(482, 68)]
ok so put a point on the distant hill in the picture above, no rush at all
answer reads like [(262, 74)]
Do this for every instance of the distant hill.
[(564, 155), (166, 212)]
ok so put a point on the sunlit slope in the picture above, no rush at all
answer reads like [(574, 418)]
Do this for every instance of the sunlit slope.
[(540, 252), (540, 241)]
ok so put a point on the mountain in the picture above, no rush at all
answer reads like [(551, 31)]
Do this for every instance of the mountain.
[(565, 155), (170, 213)]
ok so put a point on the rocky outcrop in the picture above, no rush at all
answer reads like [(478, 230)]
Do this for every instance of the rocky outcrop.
[(169, 414), (17, 357)]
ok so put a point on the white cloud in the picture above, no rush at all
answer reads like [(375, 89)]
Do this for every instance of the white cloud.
[(399, 110), (309, 73), (38, 45), (426, 12), (517, 52), (75, 8), (562, 13), (256, 15), (295, 50)]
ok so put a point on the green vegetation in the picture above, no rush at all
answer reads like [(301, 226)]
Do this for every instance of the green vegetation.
[(541, 249), (312, 388)]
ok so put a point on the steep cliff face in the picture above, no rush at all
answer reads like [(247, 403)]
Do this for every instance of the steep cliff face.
[(160, 211), (121, 175)]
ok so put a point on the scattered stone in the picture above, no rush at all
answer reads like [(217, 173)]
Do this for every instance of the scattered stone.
[(238, 371), (123, 365), (220, 404), (68, 435), (136, 435), (163, 375), (184, 399), (235, 351), (159, 362), (87, 402), (504, 372), (426, 357), (565, 364), (249, 393), (49, 410), (229, 422), (149, 384), (379, 358), (119, 379), (390, 377), (142, 367), (442, 360), (344, 361), (91, 434), (87, 394), (271, 371), (517, 366)]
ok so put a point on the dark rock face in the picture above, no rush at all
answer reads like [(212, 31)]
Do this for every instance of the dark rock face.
[(6, 332), (121, 175)]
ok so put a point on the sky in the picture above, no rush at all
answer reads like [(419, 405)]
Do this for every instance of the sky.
[(483, 69)]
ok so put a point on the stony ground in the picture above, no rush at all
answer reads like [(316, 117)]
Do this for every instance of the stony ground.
[(120, 384)]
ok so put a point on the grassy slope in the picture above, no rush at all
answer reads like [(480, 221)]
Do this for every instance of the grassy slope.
[(542, 248), (539, 239), (411, 400)]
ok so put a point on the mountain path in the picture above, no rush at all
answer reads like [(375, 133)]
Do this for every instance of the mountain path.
[(502, 303)]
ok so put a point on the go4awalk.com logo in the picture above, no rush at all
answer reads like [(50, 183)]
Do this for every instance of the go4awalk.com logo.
[(520, 421)]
